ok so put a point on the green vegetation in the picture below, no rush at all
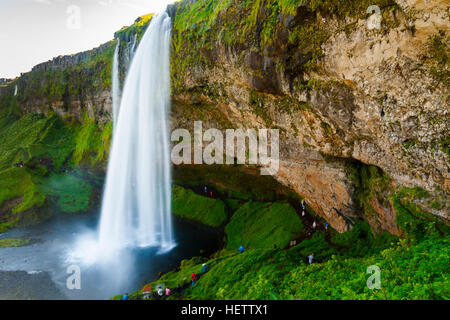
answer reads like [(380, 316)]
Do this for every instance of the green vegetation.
[(415, 222), (17, 182), (263, 225), (414, 267), (14, 242), (438, 50), (78, 81), (200, 26), (208, 211), (91, 143), (49, 147), (407, 272), (416, 272), (137, 28), (370, 183), (73, 194)]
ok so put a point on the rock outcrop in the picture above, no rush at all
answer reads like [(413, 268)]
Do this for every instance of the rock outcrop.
[(378, 96)]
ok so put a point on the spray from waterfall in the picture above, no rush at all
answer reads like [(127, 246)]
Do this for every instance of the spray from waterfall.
[(136, 205), (116, 85)]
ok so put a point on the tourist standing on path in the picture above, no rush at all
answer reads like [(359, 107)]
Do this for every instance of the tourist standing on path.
[(311, 258), (241, 249), (193, 277), (160, 292)]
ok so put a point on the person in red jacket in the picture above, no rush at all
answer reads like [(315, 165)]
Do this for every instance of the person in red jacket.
[(193, 276)]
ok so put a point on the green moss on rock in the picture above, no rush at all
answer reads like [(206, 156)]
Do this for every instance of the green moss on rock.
[(14, 242), (414, 221)]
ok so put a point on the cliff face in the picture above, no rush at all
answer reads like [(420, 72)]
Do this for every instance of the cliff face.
[(338, 89), (362, 111), (68, 85)]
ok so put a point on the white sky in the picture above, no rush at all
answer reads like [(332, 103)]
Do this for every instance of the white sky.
[(35, 31)]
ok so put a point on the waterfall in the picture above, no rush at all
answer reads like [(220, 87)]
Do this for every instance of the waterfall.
[(132, 48), (115, 85), (15, 90), (136, 205)]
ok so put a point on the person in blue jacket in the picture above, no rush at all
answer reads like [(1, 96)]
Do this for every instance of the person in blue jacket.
[(241, 249)]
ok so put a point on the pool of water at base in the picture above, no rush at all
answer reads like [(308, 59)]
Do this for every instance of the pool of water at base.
[(42, 269)]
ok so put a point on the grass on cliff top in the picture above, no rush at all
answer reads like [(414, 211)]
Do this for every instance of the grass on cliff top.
[(202, 25), (79, 81), (208, 211), (263, 225), (138, 27)]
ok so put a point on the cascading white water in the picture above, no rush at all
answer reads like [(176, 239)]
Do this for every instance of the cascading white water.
[(115, 84), (131, 48), (136, 206)]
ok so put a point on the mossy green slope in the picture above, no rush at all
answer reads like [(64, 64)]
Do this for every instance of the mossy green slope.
[(263, 225), (407, 272), (50, 148), (205, 210)]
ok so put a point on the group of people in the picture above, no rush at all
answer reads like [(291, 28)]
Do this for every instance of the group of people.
[(194, 276), (162, 292), (206, 191), (314, 225), (19, 164), (147, 292)]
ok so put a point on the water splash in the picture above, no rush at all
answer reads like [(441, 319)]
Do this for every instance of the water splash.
[(136, 206)]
